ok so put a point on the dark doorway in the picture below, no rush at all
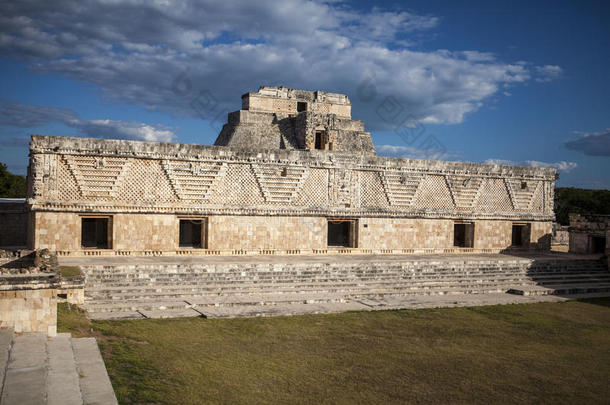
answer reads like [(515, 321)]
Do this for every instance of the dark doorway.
[(463, 235), (520, 235), (598, 244), (320, 140), (301, 106), (341, 233), (94, 233), (191, 233)]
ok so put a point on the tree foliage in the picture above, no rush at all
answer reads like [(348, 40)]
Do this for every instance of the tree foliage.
[(11, 185), (580, 201)]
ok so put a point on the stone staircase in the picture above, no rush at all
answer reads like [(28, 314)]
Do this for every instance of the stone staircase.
[(253, 289), (60, 370)]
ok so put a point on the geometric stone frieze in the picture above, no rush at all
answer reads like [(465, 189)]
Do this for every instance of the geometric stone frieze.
[(400, 186), (97, 176), (280, 184), (194, 180)]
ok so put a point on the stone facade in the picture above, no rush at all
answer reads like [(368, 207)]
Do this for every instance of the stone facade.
[(289, 175), (590, 234)]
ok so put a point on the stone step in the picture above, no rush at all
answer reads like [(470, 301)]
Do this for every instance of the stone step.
[(94, 382), (567, 289), (190, 280), (331, 288), (63, 387), (26, 373), (205, 282), (265, 299)]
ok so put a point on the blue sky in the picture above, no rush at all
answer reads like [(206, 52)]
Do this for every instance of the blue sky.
[(515, 82)]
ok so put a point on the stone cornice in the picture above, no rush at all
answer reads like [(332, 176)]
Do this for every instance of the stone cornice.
[(41, 144), (100, 208)]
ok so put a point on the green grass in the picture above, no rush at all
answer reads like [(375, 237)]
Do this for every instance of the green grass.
[(70, 271), (534, 353)]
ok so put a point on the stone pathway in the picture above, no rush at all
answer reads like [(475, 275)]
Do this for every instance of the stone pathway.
[(53, 371)]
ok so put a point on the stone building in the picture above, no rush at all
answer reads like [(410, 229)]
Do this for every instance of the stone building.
[(290, 173), (589, 234)]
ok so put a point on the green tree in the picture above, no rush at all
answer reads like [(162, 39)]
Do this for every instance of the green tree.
[(11, 185), (580, 201)]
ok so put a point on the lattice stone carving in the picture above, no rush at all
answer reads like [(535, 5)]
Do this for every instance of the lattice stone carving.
[(537, 202), (400, 187), (521, 192), (464, 190), (68, 188), (315, 189), (193, 180), (147, 181), (98, 176), (238, 187), (372, 192), (280, 184), (494, 196), (433, 192)]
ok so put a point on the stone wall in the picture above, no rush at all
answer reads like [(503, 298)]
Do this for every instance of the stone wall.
[(260, 199), (225, 233), (29, 310), (584, 229), (13, 223), (28, 296)]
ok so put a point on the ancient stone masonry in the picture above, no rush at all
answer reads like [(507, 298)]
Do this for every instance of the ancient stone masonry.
[(288, 155), (589, 234)]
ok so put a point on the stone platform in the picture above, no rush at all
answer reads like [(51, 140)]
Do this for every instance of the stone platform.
[(142, 287)]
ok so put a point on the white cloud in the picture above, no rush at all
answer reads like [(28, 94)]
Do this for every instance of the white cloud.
[(15, 115), (561, 166), (436, 151), (548, 73), (591, 143), (135, 50)]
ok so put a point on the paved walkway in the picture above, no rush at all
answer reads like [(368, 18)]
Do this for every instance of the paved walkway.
[(53, 371)]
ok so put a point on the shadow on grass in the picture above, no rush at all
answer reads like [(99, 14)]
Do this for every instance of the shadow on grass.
[(604, 301)]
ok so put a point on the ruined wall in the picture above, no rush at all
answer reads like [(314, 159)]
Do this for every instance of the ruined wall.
[(282, 100), (28, 310), (584, 228), (13, 223)]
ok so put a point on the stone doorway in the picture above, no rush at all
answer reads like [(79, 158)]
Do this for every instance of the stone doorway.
[(192, 233), (520, 235), (463, 234), (321, 140), (598, 244), (342, 233), (95, 233)]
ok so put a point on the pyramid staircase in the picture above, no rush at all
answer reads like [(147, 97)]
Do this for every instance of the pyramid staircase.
[(35, 369)]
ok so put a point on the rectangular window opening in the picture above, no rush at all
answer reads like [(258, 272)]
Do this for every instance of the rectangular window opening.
[(301, 106), (342, 233), (96, 233), (463, 235), (192, 233)]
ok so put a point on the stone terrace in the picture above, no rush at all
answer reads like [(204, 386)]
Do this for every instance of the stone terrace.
[(130, 287)]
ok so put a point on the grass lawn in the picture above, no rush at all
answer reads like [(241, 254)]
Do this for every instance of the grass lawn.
[(546, 352)]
